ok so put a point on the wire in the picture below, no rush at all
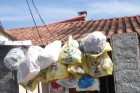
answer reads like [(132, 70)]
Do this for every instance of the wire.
[(34, 21), (39, 15), (0, 23)]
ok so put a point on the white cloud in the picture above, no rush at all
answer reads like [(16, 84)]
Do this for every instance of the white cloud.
[(96, 9), (53, 14), (113, 8), (20, 15), (17, 9), (10, 13), (48, 13), (14, 18)]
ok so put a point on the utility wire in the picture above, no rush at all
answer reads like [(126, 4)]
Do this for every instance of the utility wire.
[(34, 21), (0, 23), (39, 15)]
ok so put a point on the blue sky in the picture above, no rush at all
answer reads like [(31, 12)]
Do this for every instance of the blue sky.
[(15, 13)]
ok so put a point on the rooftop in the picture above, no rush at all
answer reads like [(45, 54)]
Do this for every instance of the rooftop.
[(79, 28)]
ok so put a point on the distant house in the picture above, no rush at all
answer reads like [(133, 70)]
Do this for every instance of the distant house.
[(78, 27)]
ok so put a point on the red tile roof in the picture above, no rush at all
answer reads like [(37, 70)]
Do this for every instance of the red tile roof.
[(77, 18), (79, 29)]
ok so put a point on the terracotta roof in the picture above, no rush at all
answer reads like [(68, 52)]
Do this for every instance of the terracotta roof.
[(77, 18), (79, 29)]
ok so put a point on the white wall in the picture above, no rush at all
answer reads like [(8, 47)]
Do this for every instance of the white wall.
[(3, 37)]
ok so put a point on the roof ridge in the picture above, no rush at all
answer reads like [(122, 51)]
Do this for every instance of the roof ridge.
[(63, 21), (44, 25), (72, 19)]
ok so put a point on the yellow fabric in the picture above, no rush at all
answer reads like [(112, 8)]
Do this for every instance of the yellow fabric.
[(106, 48), (31, 85), (101, 66), (56, 71), (70, 53)]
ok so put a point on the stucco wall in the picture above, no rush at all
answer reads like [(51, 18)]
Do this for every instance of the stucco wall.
[(3, 37)]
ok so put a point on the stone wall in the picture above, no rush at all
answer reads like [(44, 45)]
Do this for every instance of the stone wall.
[(125, 56)]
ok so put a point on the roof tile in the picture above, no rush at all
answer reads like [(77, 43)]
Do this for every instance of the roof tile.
[(79, 29), (134, 22), (100, 25)]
